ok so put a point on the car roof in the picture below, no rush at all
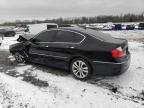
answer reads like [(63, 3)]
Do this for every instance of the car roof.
[(93, 33), (80, 30)]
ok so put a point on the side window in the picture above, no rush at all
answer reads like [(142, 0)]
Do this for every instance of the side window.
[(46, 36), (68, 36)]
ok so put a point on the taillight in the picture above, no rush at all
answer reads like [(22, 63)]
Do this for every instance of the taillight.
[(118, 53)]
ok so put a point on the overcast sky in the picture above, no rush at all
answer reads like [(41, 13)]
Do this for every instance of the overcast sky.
[(33, 9)]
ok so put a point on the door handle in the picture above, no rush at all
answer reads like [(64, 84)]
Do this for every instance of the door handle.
[(70, 47), (46, 46)]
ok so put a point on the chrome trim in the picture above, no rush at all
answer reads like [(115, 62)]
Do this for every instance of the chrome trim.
[(62, 42), (50, 55), (108, 62)]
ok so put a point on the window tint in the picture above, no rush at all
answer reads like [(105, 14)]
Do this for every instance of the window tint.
[(98, 34), (46, 36), (68, 36)]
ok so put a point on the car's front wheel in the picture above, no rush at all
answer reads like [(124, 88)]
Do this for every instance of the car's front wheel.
[(80, 69), (19, 58)]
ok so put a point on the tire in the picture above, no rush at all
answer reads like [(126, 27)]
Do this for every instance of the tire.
[(19, 58), (80, 69)]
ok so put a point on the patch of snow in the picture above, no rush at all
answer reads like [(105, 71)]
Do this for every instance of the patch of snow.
[(11, 58), (127, 34), (68, 93)]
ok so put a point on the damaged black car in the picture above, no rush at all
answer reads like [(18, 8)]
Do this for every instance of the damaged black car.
[(84, 52)]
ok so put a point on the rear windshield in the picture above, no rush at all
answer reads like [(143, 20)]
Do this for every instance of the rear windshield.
[(103, 36)]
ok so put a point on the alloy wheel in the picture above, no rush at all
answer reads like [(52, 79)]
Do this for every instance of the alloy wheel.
[(80, 69)]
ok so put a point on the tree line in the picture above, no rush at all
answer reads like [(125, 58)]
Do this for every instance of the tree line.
[(85, 20)]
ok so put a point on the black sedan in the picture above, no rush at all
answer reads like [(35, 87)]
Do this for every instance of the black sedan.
[(84, 52)]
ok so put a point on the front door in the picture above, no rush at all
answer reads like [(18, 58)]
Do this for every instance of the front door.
[(38, 50)]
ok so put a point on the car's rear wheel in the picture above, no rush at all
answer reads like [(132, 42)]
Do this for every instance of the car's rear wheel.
[(19, 58), (80, 69)]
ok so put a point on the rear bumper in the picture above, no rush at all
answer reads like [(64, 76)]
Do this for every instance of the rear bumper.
[(111, 68)]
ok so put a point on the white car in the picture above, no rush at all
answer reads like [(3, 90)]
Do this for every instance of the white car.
[(107, 27), (99, 26), (136, 26), (123, 27), (20, 29)]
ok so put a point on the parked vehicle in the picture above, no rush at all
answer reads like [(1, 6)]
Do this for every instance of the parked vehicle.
[(136, 26), (117, 27), (99, 26), (141, 26), (21, 27), (51, 25), (107, 28), (130, 27), (123, 27), (85, 52), (92, 26), (7, 32)]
